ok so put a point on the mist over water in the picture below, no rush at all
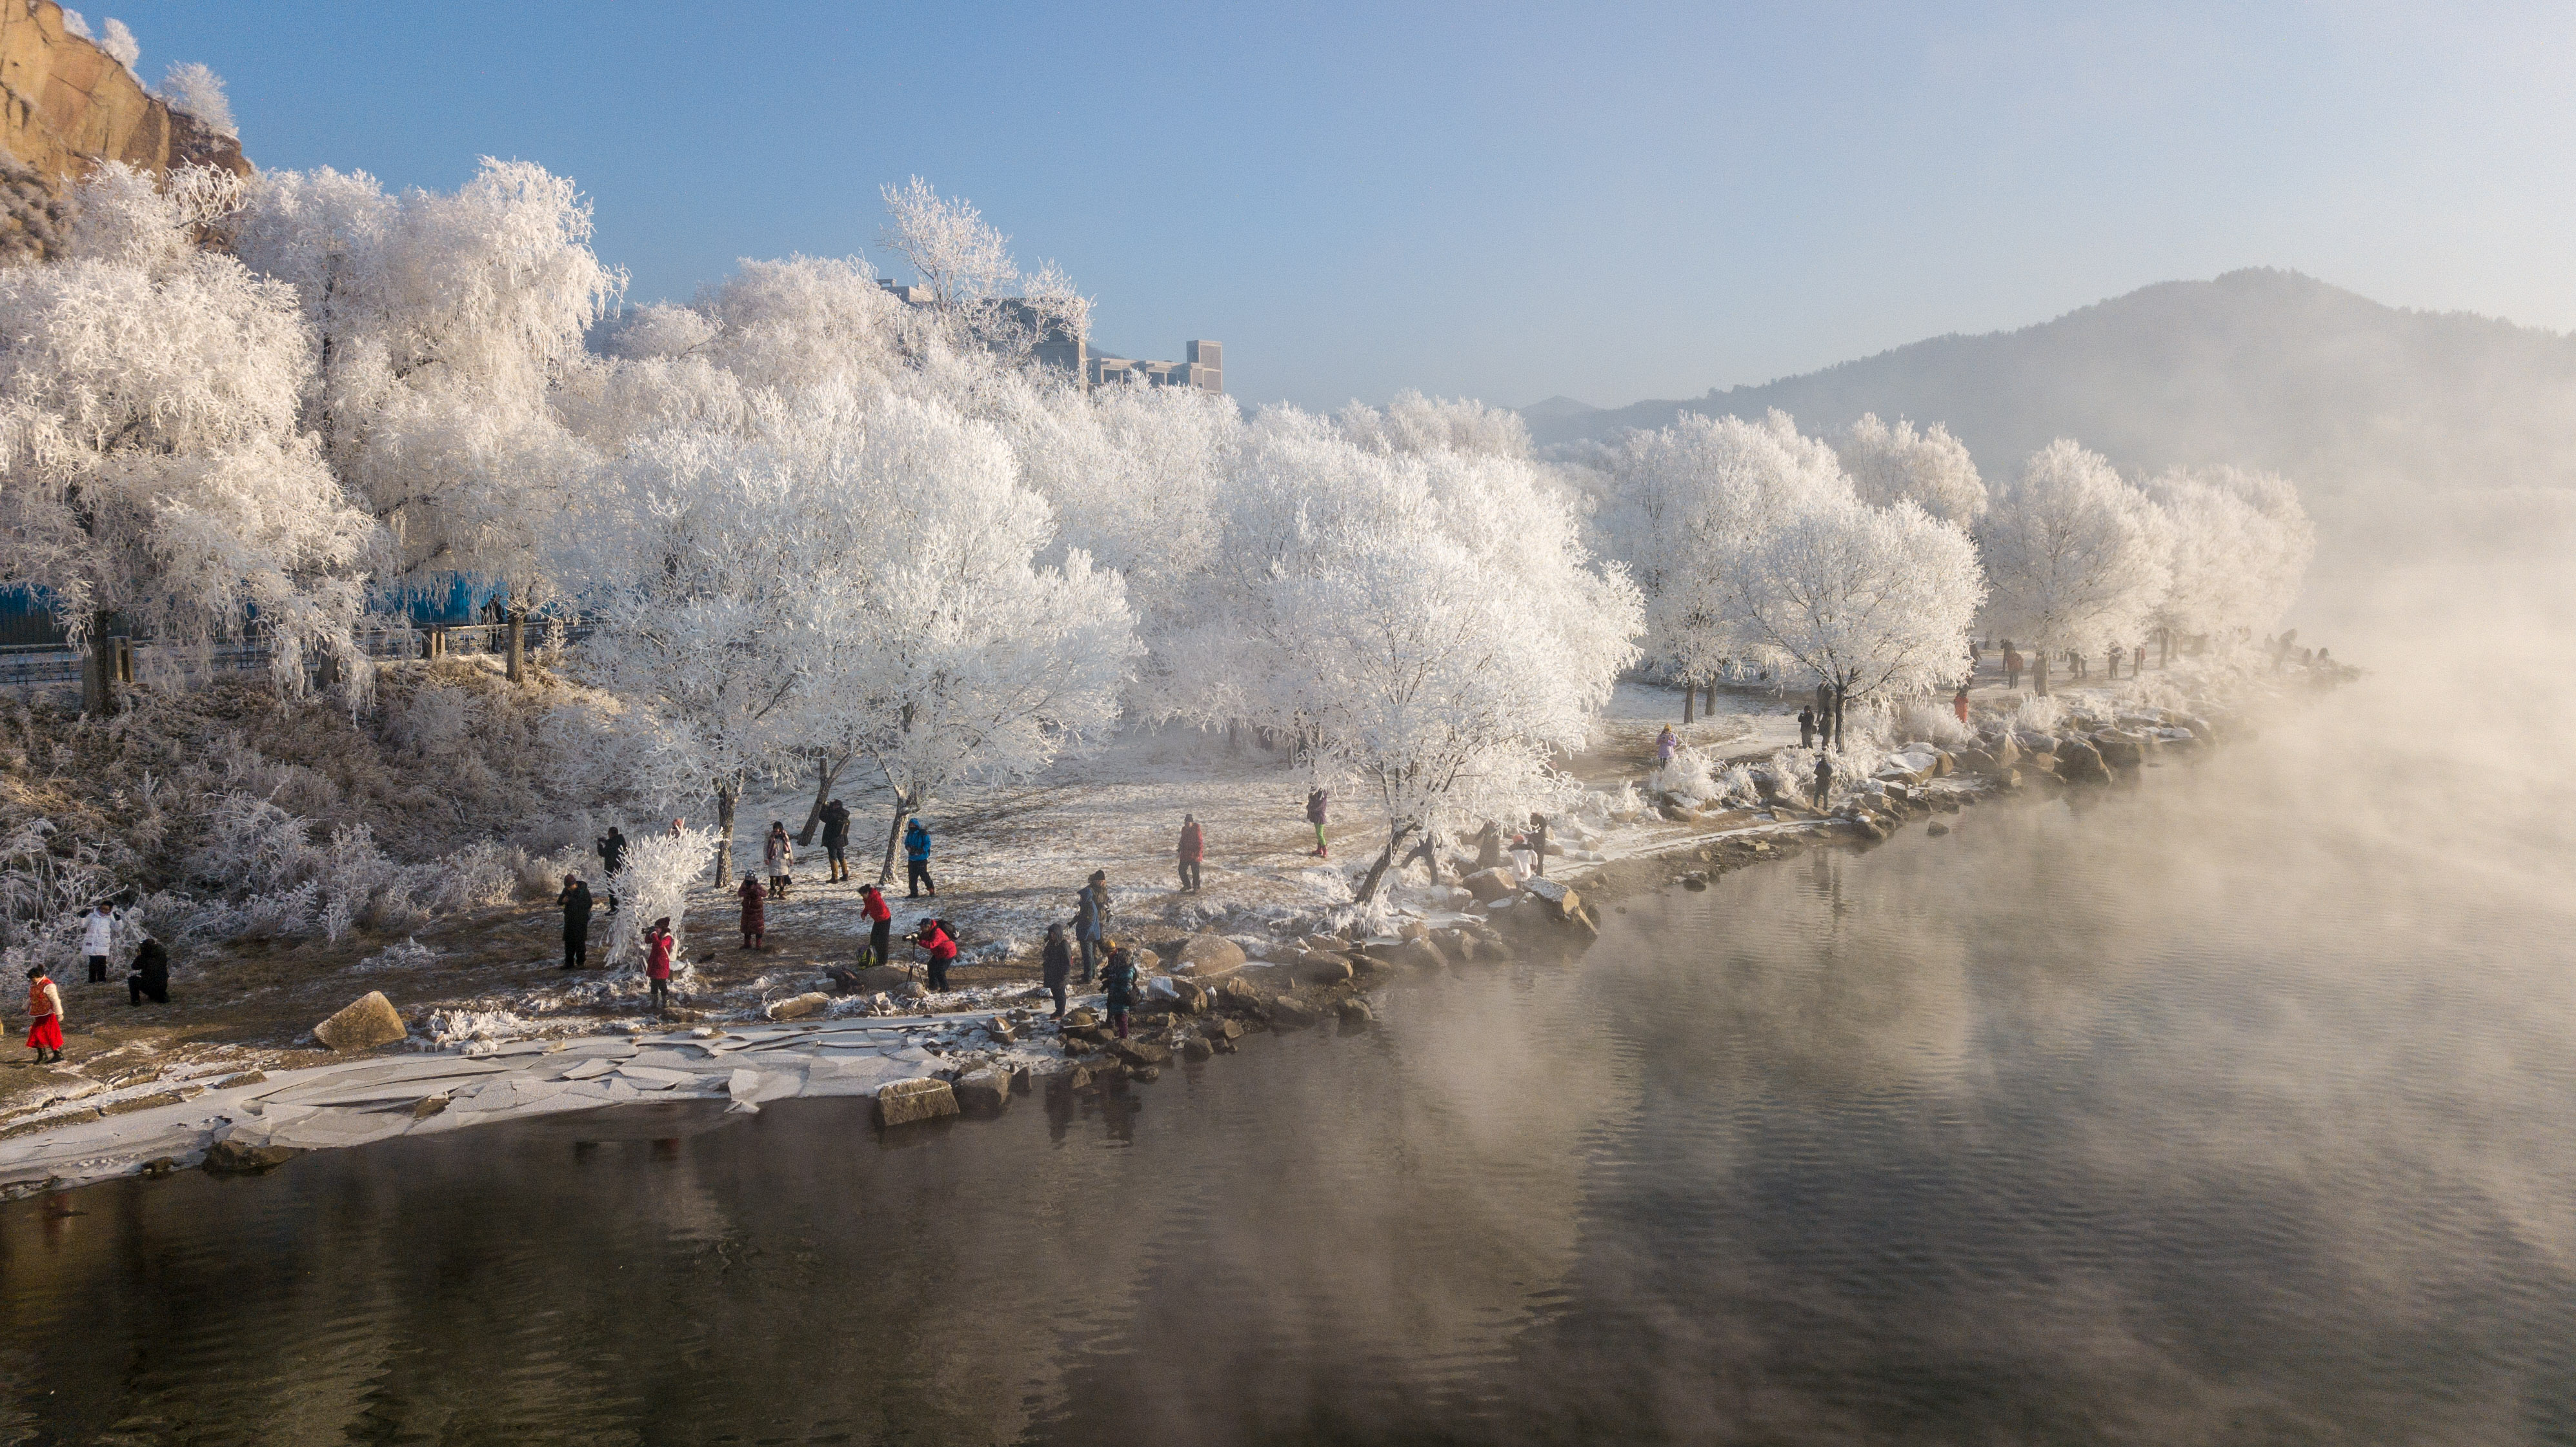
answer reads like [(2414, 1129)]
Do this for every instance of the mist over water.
[(2227, 1106)]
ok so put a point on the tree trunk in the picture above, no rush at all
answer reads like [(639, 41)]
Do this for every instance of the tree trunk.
[(827, 771), (726, 793), (1377, 871), (894, 837), (1708, 699), (1690, 695), (2039, 674), (98, 693), (514, 628), (1429, 851), (1842, 700)]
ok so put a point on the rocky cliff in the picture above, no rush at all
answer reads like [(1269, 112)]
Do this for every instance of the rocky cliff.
[(66, 107)]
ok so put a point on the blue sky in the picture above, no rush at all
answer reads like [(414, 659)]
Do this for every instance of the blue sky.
[(1487, 200)]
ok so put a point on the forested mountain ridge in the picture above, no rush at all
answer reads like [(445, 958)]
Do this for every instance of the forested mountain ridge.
[(2258, 368)]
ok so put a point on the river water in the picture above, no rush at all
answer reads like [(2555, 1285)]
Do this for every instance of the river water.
[(2229, 1106)]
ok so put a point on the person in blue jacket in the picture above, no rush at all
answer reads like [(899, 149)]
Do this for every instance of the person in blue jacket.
[(916, 854)]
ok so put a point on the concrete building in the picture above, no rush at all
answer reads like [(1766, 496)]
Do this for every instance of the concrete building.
[(1204, 367)]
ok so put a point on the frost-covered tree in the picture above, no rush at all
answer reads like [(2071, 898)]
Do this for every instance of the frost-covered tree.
[(1868, 599), (1931, 468), (194, 88), (1428, 621), (846, 575), (1684, 501), (446, 324), (1414, 423), (974, 289), (2241, 545), (150, 462), (2075, 557), (1133, 475)]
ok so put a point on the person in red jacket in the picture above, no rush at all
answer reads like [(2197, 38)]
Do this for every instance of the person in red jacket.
[(45, 1009), (880, 925), (660, 948), (1959, 705), (941, 946), (1193, 849)]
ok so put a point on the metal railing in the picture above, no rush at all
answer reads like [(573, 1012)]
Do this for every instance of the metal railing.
[(34, 669)]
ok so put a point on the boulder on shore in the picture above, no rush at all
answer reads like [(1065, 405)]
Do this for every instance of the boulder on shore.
[(1208, 954), (1489, 885), (1291, 1012), (230, 1158), (797, 1007), (982, 1092), (902, 1102), (879, 978), (367, 1023)]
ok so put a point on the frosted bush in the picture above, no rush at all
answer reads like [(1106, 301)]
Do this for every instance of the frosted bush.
[(1737, 785), (195, 88), (479, 876), (409, 953), (251, 844), (285, 913), (2038, 715), (1935, 723), (466, 1027), (1686, 778), (655, 884)]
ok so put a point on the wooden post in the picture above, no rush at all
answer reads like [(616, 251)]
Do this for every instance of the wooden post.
[(517, 628), (98, 694), (433, 642)]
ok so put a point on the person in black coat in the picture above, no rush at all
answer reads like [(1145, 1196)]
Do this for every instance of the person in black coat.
[(151, 977), (836, 839), (1806, 728), (575, 900), (611, 849), (1058, 965)]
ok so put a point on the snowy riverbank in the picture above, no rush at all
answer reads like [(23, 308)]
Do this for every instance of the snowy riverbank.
[(497, 1033)]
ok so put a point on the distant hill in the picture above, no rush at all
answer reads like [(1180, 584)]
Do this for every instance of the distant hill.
[(2261, 368)]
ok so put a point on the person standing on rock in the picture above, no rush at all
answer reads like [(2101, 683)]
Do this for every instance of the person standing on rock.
[(1055, 965), (1665, 743), (1824, 780), (1118, 986), (98, 941), (151, 977), (836, 840), (880, 917), (1959, 705), (916, 855), (941, 946), (1538, 844), (659, 947), (1807, 728), (778, 858), (1193, 850), (611, 849), (755, 915), (575, 903), (1091, 920), (1318, 803), (45, 1016)]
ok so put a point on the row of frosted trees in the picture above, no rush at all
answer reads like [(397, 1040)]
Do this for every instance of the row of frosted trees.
[(823, 527)]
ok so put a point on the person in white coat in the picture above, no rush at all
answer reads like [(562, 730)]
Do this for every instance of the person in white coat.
[(98, 941)]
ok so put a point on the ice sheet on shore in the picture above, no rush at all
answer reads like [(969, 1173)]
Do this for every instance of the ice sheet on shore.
[(361, 1101)]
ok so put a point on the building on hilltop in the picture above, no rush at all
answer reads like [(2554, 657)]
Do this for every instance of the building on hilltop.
[(1059, 349)]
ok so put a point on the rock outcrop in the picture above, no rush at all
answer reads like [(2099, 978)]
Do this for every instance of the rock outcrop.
[(66, 108)]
